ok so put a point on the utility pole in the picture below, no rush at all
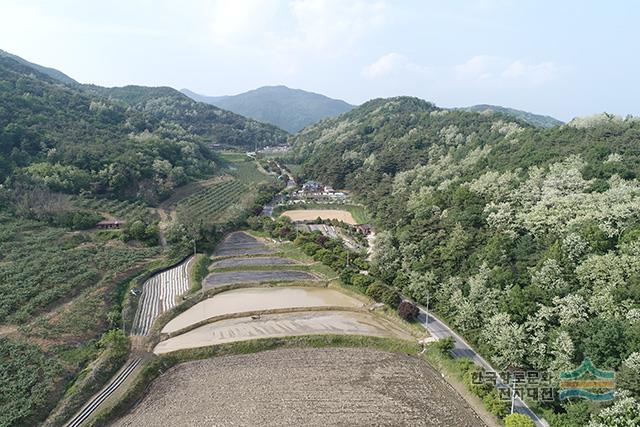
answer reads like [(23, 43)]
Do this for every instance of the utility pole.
[(513, 395), (427, 307)]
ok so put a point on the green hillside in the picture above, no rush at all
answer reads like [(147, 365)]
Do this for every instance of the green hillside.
[(212, 124), (527, 240), (51, 72), (289, 109), (533, 119)]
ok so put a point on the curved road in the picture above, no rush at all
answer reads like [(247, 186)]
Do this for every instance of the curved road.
[(462, 349)]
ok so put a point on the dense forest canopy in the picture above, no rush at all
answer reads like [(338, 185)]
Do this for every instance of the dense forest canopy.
[(527, 240), (131, 142)]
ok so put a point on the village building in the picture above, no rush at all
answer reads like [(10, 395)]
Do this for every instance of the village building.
[(110, 224)]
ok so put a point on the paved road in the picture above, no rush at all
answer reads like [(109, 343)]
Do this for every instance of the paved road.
[(462, 349)]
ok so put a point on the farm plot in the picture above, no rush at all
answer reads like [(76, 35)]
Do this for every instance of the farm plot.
[(210, 203), (252, 262), (120, 209), (159, 294), (292, 387), (241, 244), (231, 277), (282, 325), (313, 214), (250, 300)]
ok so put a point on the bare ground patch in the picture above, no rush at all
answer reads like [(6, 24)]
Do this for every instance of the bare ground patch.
[(251, 262), (283, 325), (312, 214), (256, 276), (260, 299), (343, 386)]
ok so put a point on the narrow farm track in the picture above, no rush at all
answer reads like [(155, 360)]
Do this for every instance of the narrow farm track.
[(104, 394), (159, 294)]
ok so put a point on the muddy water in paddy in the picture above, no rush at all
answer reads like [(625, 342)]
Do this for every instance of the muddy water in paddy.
[(256, 299), (282, 325)]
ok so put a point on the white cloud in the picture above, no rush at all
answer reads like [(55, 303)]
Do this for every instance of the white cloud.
[(237, 20), (332, 27), (504, 70), (533, 73), (393, 63)]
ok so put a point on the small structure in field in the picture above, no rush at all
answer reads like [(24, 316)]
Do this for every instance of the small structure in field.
[(363, 229), (312, 187), (110, 224)]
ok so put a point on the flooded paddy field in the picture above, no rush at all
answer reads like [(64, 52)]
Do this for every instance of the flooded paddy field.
[(282, 325), (252, 262), (293, 387), (259, 299), (230, 277)]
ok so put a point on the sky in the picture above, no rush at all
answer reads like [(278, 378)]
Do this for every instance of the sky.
[(563, 58)]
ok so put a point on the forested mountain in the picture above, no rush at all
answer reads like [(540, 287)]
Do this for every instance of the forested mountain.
[(51, 72), (525, 116), (125, 142), (289, 109), (213, 124), (526, 239)]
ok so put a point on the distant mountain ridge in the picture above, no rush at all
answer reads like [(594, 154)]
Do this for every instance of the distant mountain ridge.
[(51, 72), (289, 109), (536, 120)]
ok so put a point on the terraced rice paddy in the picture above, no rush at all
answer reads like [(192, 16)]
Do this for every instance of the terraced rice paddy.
[(214, 280), (159, 294), (293, 387), (252, 262), (282, 325), (240, 244), (249, 300)]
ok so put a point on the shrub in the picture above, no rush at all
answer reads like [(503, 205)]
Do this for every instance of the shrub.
[(361, 281), (383, 293), (445, 345), (322, 240), (494, 404), (408, 310), (470, 381), (310, 248), (200, 271), (518, 420)]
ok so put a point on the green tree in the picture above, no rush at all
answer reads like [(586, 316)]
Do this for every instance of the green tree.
[(518, 420)]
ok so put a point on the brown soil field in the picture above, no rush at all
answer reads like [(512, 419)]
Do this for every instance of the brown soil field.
[(248, 300), (251, 262), (240, 243), (311, 214), (283, 325), (311, 387), (214, 280)]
